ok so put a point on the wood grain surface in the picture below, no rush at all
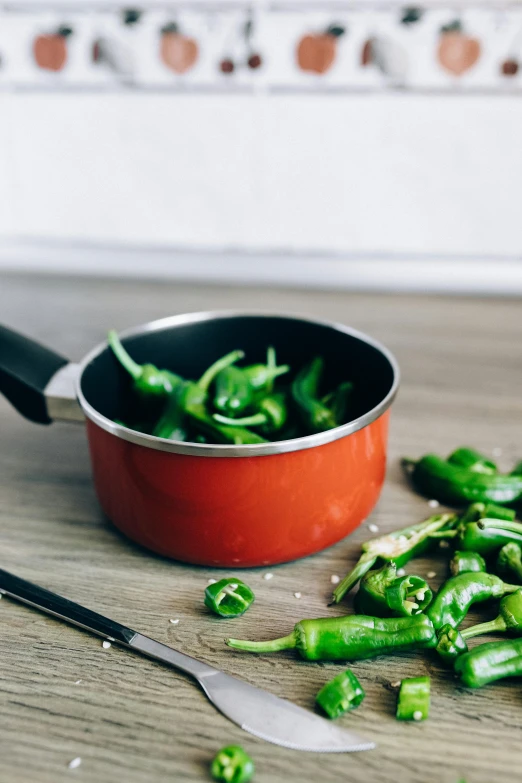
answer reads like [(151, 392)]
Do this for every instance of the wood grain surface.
[(63, 696)]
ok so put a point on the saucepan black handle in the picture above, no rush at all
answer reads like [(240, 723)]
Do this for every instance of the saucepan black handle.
[(50, 603), (26, 367)]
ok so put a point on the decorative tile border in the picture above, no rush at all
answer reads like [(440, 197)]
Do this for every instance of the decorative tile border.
[(335, 47)]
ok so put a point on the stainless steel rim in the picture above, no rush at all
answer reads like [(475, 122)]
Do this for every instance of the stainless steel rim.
[(218, 450)]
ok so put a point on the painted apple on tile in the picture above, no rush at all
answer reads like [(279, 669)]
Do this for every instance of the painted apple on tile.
[(316, 52), (177, 51), (457, 52), (50, 50)]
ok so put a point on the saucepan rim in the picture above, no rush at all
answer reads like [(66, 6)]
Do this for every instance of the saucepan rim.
[(227, 450)]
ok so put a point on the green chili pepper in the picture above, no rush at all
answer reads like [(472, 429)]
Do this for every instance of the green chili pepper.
[(454, 485), (371, 596), (339, 402), (271, 415), (229, 597), (261, 376), (383, 594), (509, 561), (316, 416), (472, 460), (465, 562), (221, 364), (401, 546), (349, 638), (456, 596), (171, 425), (341, 694), (414, 699), (232, 765), (192, 401), (509, 619), (233, 392), (408, 595), (450, 644), (485, 529), (490, 662), (148, 380)]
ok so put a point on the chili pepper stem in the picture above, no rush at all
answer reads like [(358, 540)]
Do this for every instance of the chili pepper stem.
[(132, 367), (362, 567), (247, 421), (284, 643), (493, 626), (500, 524), (225, 361)]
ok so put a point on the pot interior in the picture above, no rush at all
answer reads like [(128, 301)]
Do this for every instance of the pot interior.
[(188, 348)]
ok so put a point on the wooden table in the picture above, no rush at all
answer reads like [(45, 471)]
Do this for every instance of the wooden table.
[(63, 696)]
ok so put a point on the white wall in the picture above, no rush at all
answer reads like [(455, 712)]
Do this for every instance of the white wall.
[(341, 174)]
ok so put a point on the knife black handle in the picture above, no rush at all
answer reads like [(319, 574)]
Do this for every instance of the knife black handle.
[(61, 607), (26, 367)]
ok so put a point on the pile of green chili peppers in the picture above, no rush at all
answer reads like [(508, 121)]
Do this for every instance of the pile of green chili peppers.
[(399, 612), (233, 404)]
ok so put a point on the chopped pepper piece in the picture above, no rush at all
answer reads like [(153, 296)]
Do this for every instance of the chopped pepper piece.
[(229, 597), (232, 765), (384, 594), (408, 595), (466, 562), (349, 638), (414, 699), (450, 644), (341, 694)]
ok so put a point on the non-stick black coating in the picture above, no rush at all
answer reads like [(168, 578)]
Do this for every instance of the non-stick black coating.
[(188, 349)]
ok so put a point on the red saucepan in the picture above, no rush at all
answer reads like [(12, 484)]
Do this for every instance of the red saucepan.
[(222, 505)]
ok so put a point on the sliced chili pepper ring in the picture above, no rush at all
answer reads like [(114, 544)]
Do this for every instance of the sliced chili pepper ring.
[(414, 699), (408, 595), (229, 597)]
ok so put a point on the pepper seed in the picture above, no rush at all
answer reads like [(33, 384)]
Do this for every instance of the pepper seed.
[(396, 684), (334, 579), (443, 544), (297, 595), (433, 503), (417, 715), (211, 581), (174, 622), (373, 528), (401, 572), (268, 576), (75, 763), (431, 574), (106, 644)]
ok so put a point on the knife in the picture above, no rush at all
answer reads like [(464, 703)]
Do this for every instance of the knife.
[(256, 711)]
